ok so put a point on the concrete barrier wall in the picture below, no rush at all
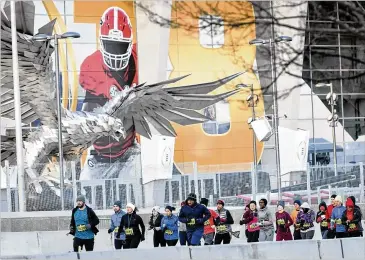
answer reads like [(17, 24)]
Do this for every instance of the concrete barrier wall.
[(348, 249)]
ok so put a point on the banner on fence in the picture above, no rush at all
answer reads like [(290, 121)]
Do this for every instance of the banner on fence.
[(157, 156)]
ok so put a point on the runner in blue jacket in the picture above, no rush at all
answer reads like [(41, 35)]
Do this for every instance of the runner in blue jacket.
[(336, 218), (170, 226), (114, 225), (194, 215)]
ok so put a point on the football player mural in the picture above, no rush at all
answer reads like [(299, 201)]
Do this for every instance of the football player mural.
[(102, 75)]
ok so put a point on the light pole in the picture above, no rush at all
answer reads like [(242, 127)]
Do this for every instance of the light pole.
[(332, 119), (56, 37), (252, 100), (271, 43)]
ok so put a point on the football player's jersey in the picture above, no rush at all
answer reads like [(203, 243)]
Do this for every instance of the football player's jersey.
[(100, 84)]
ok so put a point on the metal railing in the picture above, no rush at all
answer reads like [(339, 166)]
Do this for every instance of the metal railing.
[(313, 185)]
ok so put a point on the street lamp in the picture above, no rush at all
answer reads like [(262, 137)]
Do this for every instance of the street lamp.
[(332, 119), (252, 100), (271, 43), (56, 37)]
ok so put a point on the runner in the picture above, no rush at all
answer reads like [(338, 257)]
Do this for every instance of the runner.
[(209, 225), (351, 218), (336, 218), (283, 223), (170, 226), (224, 223), (251, 220), (83, 225), (133, 227), (266, 222), (194, 215), (182, 230), (306, 218), (115, 223), (294, 215), (322, 220), (155, 224)]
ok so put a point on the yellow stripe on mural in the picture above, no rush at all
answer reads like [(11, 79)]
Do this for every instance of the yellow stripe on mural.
[(60, 27)]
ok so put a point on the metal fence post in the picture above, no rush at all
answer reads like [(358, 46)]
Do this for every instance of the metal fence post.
[(318, 195), (196, 187), (309, 192), (8, 189), (170, 192), (253, 182), (361, 165), (74, 183)]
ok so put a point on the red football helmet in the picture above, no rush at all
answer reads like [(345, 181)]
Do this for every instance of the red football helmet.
[(115, 38)]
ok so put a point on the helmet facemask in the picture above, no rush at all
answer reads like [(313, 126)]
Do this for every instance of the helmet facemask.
[(111, 49)]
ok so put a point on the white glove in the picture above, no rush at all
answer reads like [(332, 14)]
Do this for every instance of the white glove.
[(323, 216), (157, 228)]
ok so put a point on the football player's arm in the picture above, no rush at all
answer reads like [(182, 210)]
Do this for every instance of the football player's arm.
[(92, 79)]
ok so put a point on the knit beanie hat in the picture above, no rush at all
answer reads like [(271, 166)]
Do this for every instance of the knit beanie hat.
[(204, 201), (338, 198), (220, 202), (349, 203), (298, 202), (118, 203), (156, 208), (281, 203), (170, 208), (130, 205), (305, 205), (191, 196), (81, 198), (353, 199)]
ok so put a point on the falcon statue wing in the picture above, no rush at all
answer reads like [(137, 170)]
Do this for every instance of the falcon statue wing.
[(158, 105), (37, 86)]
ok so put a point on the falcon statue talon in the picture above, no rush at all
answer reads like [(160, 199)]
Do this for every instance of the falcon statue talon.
[(136, 107)]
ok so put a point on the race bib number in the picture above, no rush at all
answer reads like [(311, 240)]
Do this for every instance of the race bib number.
[(81, 228), (338, 221), (254, 225), (129, 232), (116, 229), (352, 226), (324, 224), (222, 228), (207, 223), (169, 232), (280, 221), (192, 222)]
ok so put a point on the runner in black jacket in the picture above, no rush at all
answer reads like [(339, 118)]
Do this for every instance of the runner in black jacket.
[(130, 224), (155, 224)]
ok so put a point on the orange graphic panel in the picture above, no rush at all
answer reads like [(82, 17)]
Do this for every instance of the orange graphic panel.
[(188, 55)]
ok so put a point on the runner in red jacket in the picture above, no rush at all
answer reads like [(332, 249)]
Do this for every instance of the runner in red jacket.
[(331, 234), (209, 225)]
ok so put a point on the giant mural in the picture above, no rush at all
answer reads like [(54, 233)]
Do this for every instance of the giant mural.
[(105, 59)]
